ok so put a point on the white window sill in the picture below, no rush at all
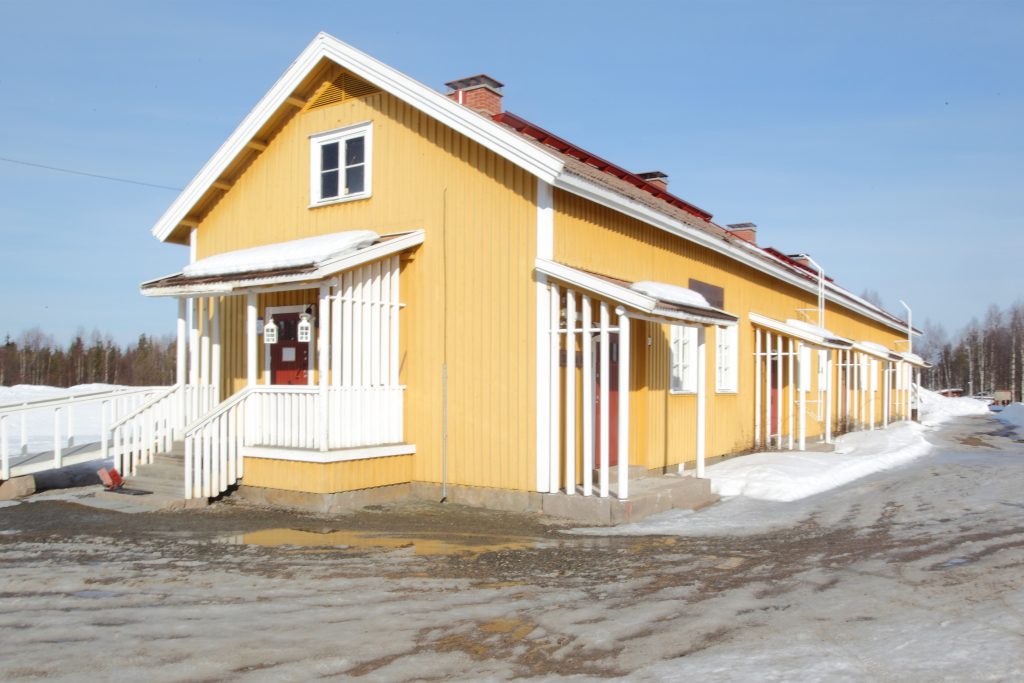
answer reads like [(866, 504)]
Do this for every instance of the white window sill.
[(340, 200)]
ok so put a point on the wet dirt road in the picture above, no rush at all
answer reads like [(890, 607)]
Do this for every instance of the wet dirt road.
[(912, 574)]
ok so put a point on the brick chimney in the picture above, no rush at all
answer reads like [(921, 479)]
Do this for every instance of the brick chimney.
[(481, 93), (656, 178), (745, 231)]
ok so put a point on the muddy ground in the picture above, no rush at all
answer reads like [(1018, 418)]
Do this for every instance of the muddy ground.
[(912, 574)]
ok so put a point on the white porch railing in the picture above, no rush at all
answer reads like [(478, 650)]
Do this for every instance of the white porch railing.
[(56, 432), (285, 417), (137, 437)]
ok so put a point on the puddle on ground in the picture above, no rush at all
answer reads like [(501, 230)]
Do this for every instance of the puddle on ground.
[(975, 441), (451, 544), (954, 562)]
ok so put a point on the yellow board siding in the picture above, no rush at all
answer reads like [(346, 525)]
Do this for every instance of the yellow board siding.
[(334, 477), (595, 238), (468, 289)]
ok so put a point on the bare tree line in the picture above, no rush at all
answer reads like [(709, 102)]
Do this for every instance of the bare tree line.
[(986, 356), (35, 358)]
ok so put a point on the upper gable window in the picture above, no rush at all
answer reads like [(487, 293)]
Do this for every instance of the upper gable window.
[(340, 164)]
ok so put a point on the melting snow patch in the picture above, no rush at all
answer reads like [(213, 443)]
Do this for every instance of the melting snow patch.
[(791, 475)]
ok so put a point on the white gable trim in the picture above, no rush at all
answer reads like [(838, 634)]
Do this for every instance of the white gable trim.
[(493, 136)]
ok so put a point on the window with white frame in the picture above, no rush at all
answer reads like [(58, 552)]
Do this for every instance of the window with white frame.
[(726, 359), (340, 164), (683, 360)]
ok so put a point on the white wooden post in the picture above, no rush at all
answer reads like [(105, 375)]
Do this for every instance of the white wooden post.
[(603, 401), (886, 382), (702, 398), (5, 451), (215, 349), (623, 445), (555, 423), (757, 387), (778, 391), (768, 391), (193, 359), (204, 344), (791, 358), (570, 392), (324, 311), (828, 396), (182, 348), (802, 389), (250, 339), (588, 398)]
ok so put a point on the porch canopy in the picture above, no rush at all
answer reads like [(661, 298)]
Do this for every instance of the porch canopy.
[(654, 301), (797, 329), (281, 265)]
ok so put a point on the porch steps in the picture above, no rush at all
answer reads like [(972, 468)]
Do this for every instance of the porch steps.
[(648, 495), (164, 479)]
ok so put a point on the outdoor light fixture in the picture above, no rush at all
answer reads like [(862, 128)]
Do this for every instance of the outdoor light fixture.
[(305, 331), (270, 332)]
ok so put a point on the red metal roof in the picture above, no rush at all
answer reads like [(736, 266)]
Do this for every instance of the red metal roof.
[(565, 147)]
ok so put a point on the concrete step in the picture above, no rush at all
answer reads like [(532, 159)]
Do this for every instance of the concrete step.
[(164, 479), (647, 496)]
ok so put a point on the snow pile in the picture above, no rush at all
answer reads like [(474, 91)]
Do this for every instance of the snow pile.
[(876, 348), (304, 252), (792, 475), (671, 293), (936, 408), (1012, 414)]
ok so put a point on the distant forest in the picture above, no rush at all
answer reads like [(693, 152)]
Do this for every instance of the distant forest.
[(35, 358), (986, 356)]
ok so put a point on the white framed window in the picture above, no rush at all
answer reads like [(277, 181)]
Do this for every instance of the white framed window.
[(682, 360), (340, 164), (726, 359)]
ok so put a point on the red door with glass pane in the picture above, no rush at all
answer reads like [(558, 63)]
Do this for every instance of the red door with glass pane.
[(613, 400), (289, 358)]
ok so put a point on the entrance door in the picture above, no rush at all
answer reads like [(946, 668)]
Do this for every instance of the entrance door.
[(613, 400), (289, 358)]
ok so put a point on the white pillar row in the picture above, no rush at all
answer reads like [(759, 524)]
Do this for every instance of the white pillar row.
[(570, 391), (758, 334), (215, 350), (250, 339), (555, 313), (702, 398), (323, 364), (623, 445), (603, 399), (587, 361), (336, 334)]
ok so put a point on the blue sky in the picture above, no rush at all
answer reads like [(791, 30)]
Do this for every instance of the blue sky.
[(886, 139)]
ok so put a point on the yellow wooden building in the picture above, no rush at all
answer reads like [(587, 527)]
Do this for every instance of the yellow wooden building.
[(390, 286)]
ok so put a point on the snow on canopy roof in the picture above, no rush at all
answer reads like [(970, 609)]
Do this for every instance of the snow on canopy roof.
[(877, 348), (813, 329), (309, 251), (671, 293)]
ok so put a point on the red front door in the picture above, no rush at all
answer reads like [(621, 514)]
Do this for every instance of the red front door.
[(613, 400), (289, 358)]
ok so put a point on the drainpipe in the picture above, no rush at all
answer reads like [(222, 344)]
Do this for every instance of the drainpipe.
[(821, 287), (910, 329)]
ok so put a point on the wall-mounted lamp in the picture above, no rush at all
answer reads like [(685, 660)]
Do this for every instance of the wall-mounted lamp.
[(270, 332)]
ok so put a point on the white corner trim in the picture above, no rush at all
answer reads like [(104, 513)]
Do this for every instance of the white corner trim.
[(324, 457), (545, 220), (613, 200), (493, 136)]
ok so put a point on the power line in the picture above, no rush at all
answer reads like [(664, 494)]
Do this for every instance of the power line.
[(91, 175)]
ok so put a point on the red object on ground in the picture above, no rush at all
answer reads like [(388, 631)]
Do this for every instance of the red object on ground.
[(111, 480)]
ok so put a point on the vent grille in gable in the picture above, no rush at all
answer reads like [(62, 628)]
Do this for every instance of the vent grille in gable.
[(343, 88)]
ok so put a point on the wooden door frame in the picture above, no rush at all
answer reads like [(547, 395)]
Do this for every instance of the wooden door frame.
[(267, 313)]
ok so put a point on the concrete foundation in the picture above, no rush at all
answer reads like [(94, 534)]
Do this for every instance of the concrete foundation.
[(648, 496)]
